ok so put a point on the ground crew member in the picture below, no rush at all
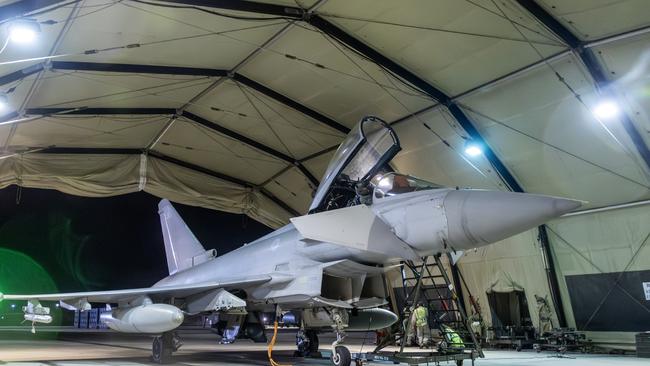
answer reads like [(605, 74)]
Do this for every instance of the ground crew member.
[(421, 323), (453, 339), (545, 315), (409, 319)]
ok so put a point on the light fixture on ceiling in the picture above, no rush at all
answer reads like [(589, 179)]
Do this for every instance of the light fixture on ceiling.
[(24, 30), (606, 109), (4, 103), (473, 149)]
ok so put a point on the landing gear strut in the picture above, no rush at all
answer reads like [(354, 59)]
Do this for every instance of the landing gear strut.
[(163, 346), (340, 354)]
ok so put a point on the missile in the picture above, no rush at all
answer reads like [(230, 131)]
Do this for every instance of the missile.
[(357, 320), (148, 318), (36, 318), (370, 319)]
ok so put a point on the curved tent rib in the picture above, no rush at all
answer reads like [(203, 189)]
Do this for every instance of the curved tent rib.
[(331, 23), (592, 65)]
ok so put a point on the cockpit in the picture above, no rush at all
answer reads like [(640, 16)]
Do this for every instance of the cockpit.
[(360, 172), (392, 184)]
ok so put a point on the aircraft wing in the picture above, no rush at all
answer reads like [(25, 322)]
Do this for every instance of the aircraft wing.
[(114, 296), (355, 227)]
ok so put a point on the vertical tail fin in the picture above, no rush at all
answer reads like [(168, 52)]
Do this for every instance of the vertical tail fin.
[(182, 248)]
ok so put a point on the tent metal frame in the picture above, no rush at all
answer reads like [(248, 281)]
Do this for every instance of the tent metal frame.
[(578, 47), (591, 63)]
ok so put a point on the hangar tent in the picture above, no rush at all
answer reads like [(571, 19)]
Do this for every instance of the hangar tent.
[(238, 105)]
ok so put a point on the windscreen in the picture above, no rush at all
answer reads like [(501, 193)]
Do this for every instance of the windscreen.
[(392, 184), (368, 145), (378, 141)]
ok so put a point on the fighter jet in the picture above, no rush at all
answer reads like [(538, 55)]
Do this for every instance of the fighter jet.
[(328, 266)]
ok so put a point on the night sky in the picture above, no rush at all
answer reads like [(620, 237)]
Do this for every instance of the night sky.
[(103, 243)]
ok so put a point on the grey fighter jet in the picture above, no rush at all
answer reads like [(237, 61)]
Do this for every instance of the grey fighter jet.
[(328, 266)]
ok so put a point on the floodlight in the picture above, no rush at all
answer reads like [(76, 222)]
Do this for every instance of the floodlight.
[(606, 109), (24, 31), (473, 149), (4, 103)]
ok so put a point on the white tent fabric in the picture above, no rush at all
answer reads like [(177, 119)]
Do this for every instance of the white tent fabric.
[(97, 176), (108, 175), (614, 241), (457, 46), (513, 264), (239, 109)]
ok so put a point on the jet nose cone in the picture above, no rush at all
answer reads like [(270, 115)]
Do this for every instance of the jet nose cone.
[(476, 217)]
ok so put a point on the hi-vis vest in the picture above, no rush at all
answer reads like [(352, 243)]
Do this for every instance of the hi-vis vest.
[(452, 337), (421, 314)]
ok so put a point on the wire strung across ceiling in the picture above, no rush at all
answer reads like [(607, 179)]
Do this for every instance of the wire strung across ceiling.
[(500, 123), (575, 94), (409, 111)]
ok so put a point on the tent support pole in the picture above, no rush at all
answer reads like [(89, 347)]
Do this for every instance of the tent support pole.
[(551, 274)]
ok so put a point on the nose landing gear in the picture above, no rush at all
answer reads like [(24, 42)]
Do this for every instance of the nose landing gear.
[(341, 356)]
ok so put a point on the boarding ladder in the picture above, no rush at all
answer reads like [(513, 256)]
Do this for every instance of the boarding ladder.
[(428, 282)]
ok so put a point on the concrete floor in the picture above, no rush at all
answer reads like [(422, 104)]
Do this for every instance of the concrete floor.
[(80, 349)]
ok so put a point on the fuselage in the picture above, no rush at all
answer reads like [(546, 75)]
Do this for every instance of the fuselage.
[(280, 251), (285, 252), (270, 253), (424, 222)]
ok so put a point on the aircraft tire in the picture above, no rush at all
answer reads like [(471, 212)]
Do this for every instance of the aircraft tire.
[(313, 341), (307, 343), (341, 356), (162, 348)]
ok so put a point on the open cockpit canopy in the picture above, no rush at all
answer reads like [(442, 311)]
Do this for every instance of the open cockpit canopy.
[(369, 146)]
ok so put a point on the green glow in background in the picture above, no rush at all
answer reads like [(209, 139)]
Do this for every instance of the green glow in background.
[(53, 242), (50, 240), (21, 274)]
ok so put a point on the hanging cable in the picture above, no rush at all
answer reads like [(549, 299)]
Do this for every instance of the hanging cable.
[(175, 85), (287, 55), (139, 45), (268, 124), (623, 289), (616, 283), (85, 138), (541, 34), (301, 130), (418, 93), (575, 94), (104, 7), (426, 28), (209, 134), (408, 110), (159, 94), (225, 15), (500, 123), (269, 352)]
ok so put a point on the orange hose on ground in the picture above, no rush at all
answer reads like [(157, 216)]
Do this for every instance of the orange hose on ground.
[(270, 349)]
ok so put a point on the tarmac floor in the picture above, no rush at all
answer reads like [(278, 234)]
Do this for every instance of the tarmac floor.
[(201, 348)]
